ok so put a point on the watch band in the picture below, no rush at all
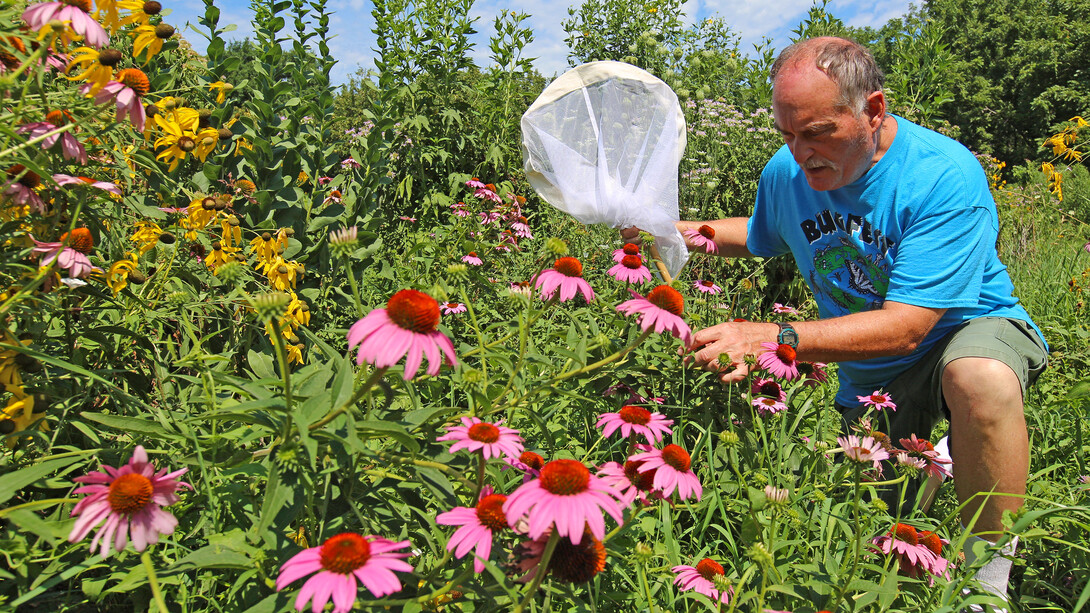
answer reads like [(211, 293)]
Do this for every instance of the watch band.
[(787, 335)]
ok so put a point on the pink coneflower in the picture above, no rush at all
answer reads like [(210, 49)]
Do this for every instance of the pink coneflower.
[(813, 373), (784, 309), (923, 450), (477, 525), (75, 12), (350, 163), (878, 400), (779, 360), (342, 563), (528, 462), (324, 180), (914, 554), (406, 327), (903, 458), (863, 450), (407, 218), (573, 561), (708, 287), (701, 579), (567, 275), (628, 249), (475, 183), (460, 209), (131, 500), (769, 388), (488, 193), (635, 420), (521, 227), (105, 186), (126, 93), (703, 237), (472, 259), (662, 309), (673, 470), (768, 406), (71, 148), (566, 496), (452, 308), (493, 440), (629, 481), (70, 252), (335, 196), (21, 190), (630, 270)]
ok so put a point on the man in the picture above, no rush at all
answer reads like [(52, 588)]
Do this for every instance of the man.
[(894, 229)]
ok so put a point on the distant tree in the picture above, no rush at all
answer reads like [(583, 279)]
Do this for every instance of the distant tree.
[(1020, 67)]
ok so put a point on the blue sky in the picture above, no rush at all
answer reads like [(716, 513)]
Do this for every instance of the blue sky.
[(353, 41)]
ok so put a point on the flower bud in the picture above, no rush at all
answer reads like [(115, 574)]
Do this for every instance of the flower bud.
[(556, 247), (271, 305)]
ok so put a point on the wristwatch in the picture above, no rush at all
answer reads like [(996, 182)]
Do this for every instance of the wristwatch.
[(787, 335)]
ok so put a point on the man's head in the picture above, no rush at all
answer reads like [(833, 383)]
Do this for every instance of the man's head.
[(828, 103)]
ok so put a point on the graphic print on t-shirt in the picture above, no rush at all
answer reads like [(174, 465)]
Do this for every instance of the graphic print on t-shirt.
[(849, 271)]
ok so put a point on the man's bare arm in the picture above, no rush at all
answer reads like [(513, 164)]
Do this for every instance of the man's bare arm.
[(730, 235), (895, 329)]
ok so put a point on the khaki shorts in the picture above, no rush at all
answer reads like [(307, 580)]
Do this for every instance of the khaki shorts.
[(918, 391)]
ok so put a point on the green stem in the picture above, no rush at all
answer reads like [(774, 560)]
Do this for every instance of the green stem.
[(156, 593), (542, 570), (36, 140), (355, 287), (646, 586), (855, 557), (282, 359), (480, 475)]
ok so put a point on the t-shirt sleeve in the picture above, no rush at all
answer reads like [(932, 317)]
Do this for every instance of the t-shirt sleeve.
[(942, 254), (763, 237)]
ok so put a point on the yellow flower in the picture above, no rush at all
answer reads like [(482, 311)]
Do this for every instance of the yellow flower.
[(150, 38), (298, 313), (283, 275), (146, 236), (221, 90), (219, 256), (179, 141), (282, 237), (107, 14), (264, 246), (232, 233), (1079, 122), (140, 12), (10, 373), (117, 277), (18, 416), (98, 66), (206, 142)]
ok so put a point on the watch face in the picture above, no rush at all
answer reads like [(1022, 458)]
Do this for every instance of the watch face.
[(788, 336)]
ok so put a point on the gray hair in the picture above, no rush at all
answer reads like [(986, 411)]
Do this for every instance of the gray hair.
[(849, 64)]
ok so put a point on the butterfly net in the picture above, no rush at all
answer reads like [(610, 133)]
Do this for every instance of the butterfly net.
[(603, 142)]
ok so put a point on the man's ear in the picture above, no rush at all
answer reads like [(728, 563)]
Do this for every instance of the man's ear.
[(875, 108)]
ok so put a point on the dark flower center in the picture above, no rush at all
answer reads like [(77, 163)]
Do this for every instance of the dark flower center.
[(635, 415), (632, 261), (83, 5), (786, 353), (490, 512), (769, 388), (667, 299), (706, 231), (413, 310), (906, 534), (565, 477), (644, 481), (631, 249), (79, 239), (164, 31), (709, 568), (708, 283), (676, 457), (531, 459), (135, 79), (578, 563), (187, 144), (29, 178), (569, 267), (152, 8), (484, 433), (129, 493), (345, 553), (931, 541)]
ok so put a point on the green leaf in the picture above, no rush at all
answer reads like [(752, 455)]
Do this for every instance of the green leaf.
[(12, 482), (132, 424)]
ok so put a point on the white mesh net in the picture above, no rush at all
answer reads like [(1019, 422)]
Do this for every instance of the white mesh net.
[(603, 143)]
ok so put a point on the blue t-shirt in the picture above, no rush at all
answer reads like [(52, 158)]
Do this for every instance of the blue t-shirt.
[(918, 228)]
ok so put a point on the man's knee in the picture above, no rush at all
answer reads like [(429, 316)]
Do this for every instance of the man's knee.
[(981, 389)]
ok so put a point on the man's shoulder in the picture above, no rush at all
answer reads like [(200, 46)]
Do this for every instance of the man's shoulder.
[(928, 144)]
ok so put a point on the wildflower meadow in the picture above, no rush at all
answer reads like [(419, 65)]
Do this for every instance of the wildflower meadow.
[(270, 344)]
